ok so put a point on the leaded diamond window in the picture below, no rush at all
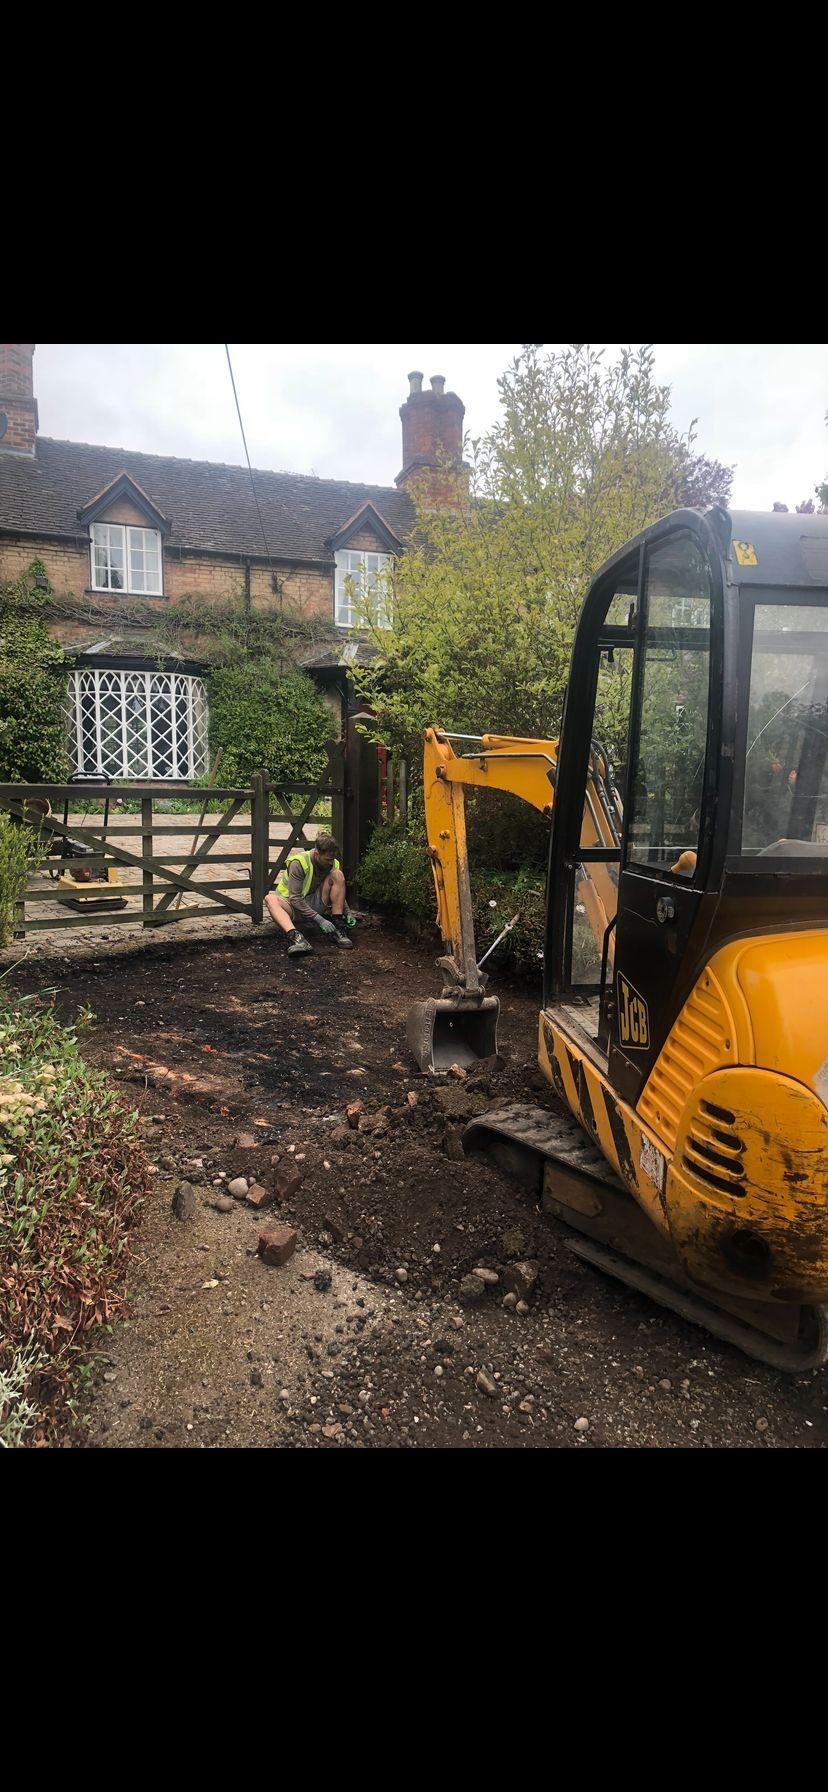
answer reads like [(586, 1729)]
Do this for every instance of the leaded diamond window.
[(137, 724)]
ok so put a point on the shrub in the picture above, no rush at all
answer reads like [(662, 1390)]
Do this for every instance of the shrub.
[(20, 849), (268, 723), (72, 1174), (505, 833), (32, 688), (395, 877)]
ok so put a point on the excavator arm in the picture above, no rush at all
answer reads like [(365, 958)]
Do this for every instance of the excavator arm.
[(463, 1021)]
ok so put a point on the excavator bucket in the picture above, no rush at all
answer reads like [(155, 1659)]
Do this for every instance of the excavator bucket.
[(442, 1032)]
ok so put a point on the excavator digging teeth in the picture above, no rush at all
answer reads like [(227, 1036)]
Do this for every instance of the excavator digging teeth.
[(442, 1032)]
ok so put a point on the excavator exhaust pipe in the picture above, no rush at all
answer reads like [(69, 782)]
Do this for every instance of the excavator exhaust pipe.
[(442, 1032)]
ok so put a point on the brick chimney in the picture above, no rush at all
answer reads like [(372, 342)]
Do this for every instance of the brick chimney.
[(18, 405), (432, 434)]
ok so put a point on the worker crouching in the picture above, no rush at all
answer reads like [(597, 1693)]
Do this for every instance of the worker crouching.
[(311, 888)]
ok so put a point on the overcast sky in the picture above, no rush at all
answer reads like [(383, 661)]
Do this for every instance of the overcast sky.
[(332, 409)]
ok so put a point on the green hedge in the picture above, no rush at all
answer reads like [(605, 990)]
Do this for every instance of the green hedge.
[(395, 877), (268, 723), (32, 687)]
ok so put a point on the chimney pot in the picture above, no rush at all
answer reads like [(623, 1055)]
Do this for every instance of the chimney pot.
[(432, 444)]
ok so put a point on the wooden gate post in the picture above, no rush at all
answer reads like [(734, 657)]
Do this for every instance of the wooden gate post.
[(362, 789), (259, 845), (146, 854), (335, 774)]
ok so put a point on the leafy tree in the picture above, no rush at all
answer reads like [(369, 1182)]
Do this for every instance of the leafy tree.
[(484, 606), (703, 482)]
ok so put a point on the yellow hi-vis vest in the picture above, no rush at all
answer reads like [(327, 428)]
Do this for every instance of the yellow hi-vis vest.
[(303, 858)]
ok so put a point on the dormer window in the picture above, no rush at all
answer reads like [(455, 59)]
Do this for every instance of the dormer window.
[(364, 569), (126, 559)]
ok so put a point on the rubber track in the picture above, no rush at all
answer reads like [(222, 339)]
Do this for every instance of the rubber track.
[(558, 1137), (555, 1135)]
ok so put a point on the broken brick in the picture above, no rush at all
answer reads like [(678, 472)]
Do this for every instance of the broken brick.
[(277, 1245), (257, 1196), (353, 1111), (288, 1182)]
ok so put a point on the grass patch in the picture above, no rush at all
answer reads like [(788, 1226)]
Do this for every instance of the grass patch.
[(72, 1177)]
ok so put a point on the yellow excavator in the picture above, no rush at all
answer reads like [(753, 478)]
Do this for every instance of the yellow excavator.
[(684, 1023)]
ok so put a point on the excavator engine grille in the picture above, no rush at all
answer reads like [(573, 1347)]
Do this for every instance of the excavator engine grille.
[(714, 1153)]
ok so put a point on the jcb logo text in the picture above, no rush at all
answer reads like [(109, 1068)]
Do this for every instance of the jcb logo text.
[(633, 1020)]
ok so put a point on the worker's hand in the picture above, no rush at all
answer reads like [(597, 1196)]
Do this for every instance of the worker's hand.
[(324, 925)]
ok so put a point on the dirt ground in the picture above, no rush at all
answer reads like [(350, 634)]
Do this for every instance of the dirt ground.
[(364, 1338)]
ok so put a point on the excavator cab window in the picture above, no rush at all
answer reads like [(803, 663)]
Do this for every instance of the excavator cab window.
[(633, 809), (590, 891), (667, 787), (785, 800)]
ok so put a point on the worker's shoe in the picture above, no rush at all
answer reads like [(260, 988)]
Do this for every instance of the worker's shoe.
[(341, 931), (296, 944)]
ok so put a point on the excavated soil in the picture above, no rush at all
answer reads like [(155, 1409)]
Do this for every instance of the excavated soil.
[(364, 1338)]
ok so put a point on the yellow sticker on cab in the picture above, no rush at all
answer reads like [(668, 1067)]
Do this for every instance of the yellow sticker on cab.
[(745, 553)]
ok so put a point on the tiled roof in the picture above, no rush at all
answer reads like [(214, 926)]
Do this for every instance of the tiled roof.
[(210, 506)]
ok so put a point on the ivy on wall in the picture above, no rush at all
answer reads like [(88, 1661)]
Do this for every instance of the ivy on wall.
[(32, 685), (265, 712)]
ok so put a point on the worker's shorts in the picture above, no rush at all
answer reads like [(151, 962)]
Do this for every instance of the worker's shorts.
[(314, 901)]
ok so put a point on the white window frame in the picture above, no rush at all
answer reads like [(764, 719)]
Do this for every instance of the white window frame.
[(123, 536), (136, 725), (362, 565)]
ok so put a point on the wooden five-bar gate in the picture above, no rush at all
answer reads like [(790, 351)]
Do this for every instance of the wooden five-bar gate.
[(155, 878)]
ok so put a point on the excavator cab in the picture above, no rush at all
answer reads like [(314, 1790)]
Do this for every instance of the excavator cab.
[(716, 684), (683, 1022)]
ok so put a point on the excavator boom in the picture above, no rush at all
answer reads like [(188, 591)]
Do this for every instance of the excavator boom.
[(460, 1025)]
